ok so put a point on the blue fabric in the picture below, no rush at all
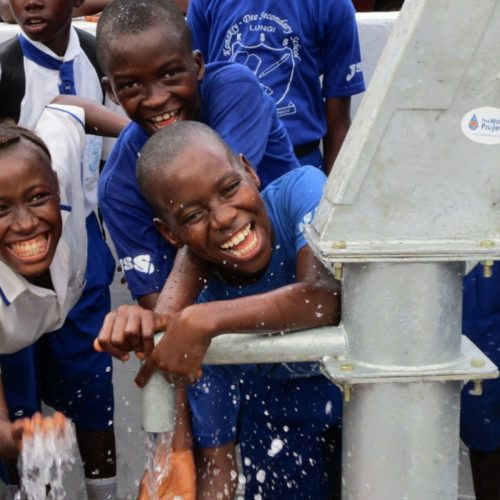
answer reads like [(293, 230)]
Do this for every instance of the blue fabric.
[(67, 85), (480, 415), (254, 404), (62, 368), (287, 45), (234, 105)]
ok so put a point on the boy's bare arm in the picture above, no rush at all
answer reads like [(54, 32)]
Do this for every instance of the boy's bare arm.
[(313, 301), (99, 120), (338, 121), (90, 7), (132, 328)]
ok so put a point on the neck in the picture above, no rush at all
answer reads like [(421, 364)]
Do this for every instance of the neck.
[(43, 280)]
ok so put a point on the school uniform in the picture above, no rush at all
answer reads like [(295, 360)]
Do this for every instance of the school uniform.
[(43, 75), (289, 46), (27, 311), (284, 415), (480, 415), (233, 104)]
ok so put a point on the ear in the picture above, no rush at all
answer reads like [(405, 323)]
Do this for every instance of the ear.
[(167, 233), (109, 90), (250, 171), (200, 64)]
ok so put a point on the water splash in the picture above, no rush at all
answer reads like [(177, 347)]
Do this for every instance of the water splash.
[(158, 446), (44, 459)]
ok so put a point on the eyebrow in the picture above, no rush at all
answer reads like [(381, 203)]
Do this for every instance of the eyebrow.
[(194, 203)]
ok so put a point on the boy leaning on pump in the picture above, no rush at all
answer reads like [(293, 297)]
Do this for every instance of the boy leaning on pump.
[(261, 277)]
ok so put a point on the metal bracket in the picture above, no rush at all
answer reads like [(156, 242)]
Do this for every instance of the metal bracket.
[(471, 365)]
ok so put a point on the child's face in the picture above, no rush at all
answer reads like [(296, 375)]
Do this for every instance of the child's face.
[(30, 218), (154, 77), (215, 208), (46, 21)]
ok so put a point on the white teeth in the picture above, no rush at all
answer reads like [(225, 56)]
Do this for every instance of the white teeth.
[(237, 238), (251, 245), (29, 248), (164, 116)]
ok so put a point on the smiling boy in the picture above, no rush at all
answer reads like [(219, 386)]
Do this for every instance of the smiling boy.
[(145, 50), (263, 278)]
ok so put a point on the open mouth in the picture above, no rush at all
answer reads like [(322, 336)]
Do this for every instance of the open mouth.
[(34, 24), (242, 242), (30, 250), (165, 119)]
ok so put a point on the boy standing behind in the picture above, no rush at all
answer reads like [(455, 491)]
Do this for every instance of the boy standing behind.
[(263, 278), (305, 54), (50, 58), (151, 70)]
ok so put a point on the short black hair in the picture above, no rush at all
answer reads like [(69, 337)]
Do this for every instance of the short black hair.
[(167, 144), (126, 17), (12, 134)]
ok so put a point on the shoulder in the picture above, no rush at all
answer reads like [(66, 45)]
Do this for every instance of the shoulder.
[(296, 182), (119, 169), (228, 71), (11, 55)]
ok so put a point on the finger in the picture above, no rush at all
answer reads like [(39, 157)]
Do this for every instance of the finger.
[(147, 369), (104, 338), (128, 334), (193, 378), (149, 327)]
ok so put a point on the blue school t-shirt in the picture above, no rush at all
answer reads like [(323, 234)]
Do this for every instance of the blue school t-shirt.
[(480, 415), (291, 202), (232, 103), (287, 45)]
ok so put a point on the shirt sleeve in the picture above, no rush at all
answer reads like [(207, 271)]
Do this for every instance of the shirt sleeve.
[(62, 128), (145, 257), (238, 110), (304, 192), (196, 18), (343, 75)]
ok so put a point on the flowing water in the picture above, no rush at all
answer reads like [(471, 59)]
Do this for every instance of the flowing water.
[(158, 446), (44, 459)]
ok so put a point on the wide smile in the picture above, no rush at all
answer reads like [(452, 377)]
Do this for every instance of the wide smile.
[(165, 119), (241, 243), (35, 24), (32, 250)]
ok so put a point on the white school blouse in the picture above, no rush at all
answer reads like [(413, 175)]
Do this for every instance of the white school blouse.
[(27, 311)]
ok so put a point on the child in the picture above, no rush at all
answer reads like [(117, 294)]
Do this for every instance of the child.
[(49, 58), (305, 54), (42, 231), (145, 50), (264, 278), (480, 417)]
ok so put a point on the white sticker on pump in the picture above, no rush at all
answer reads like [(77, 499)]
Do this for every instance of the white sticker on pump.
[(482, 125)]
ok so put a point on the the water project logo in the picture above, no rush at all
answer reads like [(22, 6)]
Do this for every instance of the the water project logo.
[(482, 125)]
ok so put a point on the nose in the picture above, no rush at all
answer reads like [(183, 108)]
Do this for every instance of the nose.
[(156, 95), (33, 5), (24, 220), (223, 216)]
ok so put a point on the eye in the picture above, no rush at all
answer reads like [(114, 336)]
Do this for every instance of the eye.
[(39, 198), (128, 88), (192, 217), (231, 188), (4, 209)]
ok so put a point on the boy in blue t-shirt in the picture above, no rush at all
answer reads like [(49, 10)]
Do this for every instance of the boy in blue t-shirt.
[(262, 277), (145, 51), (305, 54), (480, 416)]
